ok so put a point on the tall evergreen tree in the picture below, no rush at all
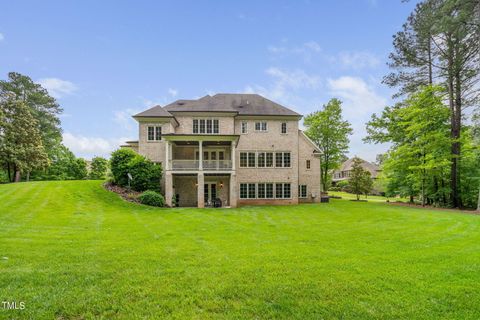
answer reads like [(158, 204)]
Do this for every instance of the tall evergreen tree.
[(439, 45), (327, 129)]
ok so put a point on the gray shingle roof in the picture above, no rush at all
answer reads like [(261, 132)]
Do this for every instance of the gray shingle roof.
[(373, 168), (242, 104), (156, 111)]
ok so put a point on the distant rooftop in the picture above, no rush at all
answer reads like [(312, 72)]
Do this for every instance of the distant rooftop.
[(241, 104)]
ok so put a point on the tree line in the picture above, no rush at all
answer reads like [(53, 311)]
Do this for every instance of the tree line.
[(434, 126), (31, 137)]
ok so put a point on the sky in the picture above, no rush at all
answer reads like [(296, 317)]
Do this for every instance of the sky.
[(106, 60)]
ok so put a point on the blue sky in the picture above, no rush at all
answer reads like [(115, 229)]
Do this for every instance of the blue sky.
[(104, 60)]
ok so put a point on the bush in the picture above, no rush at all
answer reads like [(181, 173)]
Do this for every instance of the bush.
[(344, 186), (119, 165), (152, 198), (146, 174)]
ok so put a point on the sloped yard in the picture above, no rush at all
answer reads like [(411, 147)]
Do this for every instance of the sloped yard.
[(74, 250)]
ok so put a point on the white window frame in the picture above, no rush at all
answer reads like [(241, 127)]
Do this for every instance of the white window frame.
[(157, 134), (261, 126), (282, 153), (283, 126), (204, 125), (282, 186), (301, 188), (244, 127)]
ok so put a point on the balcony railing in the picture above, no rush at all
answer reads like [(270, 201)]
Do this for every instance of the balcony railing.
[(207, 164), (217, 164)]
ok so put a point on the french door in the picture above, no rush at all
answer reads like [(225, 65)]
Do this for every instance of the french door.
[(210, 192)]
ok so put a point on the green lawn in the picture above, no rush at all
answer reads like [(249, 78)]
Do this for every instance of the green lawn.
[(351, 196), (71, 250)]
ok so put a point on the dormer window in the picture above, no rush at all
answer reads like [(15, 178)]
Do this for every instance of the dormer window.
[(208, 126)]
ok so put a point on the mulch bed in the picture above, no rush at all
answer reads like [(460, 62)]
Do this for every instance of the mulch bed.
[(419, 206), (131, 195)]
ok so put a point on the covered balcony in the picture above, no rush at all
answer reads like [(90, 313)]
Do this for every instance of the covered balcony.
[(200, 153)]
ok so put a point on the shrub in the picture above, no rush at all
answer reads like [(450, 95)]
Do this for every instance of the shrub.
[(119, 165), (146, 174), (344, 185), (152, 198)]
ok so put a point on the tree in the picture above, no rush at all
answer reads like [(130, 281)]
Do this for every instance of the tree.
[(329, 132), (119, 165), (98, 168), (360, 180), (21, 148), (439, 45), (420, 156), (80, 170), (41, 105)]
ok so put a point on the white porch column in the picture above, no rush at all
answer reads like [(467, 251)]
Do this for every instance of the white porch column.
[(200, 190), (233, 190), (232, 156), (200, 157), (167, 155), (168, 188)]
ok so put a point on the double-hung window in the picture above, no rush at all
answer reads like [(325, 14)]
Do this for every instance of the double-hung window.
[(252, 191), (261, 191), (269, 159), (261, 126), (244, 127), (269, 190), (302, 191), (243, 191), (208, 126), (243, 159), (154, 133), (247, 159), (284, 127), (261, 160), (251, 159), (308, 164), (283, 191), (282, 160)]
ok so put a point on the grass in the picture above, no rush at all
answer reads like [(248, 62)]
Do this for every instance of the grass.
[(71, 250), (351, 196)]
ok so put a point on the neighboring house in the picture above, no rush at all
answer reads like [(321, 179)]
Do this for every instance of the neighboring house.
[(343, 173), (240, 149)]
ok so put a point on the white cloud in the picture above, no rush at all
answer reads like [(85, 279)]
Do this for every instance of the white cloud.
[(284, 85), (172, 92), (57, 88), (88, 147), (359, 101), (1, 36), (358, 60)]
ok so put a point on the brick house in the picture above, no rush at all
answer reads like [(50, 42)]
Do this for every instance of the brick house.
[(230, 150)]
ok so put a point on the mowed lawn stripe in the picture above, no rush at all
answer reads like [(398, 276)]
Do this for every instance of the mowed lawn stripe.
[(76, 250)]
